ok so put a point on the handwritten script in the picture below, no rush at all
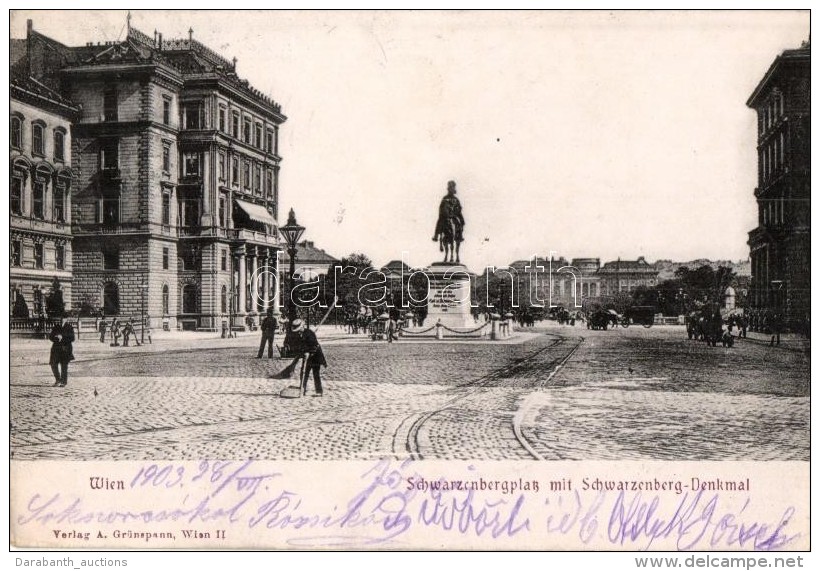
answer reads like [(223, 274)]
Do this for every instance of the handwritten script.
[(389, 505)]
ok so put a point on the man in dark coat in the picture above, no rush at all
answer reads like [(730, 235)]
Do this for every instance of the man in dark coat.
[(62, 351), (314, 356), (269, 328)]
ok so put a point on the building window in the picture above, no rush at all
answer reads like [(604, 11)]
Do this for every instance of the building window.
[(16, 132), (269, 141), (246, 174), (59, 204), (258, 135), (16, 253), (110, 210), (165, 300), (222, 112), (224, 262), (224, 299), (111, 259), (39, 200), (222, 165), (59, 254), (16, 195), (235, 124), (166, 110), (191, 163), (59, 146), (110, 154), (268, 182), (166, 208), (111, 299), (165, 258), (234, 171), (246, 131), (194, 118), (38, 256), (110, 104), (222, 218), (38, 144), (166, 157), (257, 179)]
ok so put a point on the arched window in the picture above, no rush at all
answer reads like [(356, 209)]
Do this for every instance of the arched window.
[(190, 301), (165, 300), (224, 299), (111, 299), (38, 142), (16, 132)]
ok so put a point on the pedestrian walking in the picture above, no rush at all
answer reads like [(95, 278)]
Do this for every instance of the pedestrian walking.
[(269, 327), (314, 357), (776, 324), (127, 332), (103, 328), (62, 350), (391, 330), (115, 333)]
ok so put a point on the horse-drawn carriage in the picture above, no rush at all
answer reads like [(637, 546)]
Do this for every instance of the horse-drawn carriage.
[(602, 319), (639, 315), (707, 326)]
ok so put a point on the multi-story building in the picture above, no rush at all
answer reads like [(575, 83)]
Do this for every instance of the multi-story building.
[(626, 275), (41, 183), (176, 201), (780, 245)]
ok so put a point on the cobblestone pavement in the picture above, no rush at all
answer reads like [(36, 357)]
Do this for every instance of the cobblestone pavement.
[(557, 393)]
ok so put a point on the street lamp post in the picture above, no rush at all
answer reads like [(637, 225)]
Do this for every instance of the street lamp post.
[(291, 232)]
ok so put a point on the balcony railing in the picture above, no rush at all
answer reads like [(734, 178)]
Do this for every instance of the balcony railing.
[(252, 236), (105, 228)]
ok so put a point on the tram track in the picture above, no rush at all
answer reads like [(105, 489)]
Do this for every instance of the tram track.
[(517, 375)]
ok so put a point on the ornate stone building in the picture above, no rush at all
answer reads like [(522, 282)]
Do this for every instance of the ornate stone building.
[(40, 186), (626, 275), (176, 201), (780, 246)]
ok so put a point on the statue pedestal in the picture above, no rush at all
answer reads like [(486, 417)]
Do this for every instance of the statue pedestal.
[(448, 305)]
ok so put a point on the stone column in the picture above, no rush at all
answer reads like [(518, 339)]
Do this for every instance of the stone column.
[(254, 280), (266, 282), (243, 282)]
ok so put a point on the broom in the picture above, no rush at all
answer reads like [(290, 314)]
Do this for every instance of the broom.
[(295, 392)]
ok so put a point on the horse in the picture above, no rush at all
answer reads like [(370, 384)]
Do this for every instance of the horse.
[(448, 242)]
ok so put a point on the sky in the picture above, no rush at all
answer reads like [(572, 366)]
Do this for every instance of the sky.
[(588, 134)]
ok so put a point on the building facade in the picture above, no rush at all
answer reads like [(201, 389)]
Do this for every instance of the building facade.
[(174, 213), (626, 275), (41, 182), (780, 245)]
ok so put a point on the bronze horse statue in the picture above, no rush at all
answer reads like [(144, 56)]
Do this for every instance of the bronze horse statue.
[(450, 225)]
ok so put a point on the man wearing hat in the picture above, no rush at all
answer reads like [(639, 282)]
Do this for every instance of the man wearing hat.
[(62, 350), (268, 327), (314, 356)]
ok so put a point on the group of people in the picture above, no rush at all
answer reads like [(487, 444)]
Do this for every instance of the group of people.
[(126, 331), (300, 342)]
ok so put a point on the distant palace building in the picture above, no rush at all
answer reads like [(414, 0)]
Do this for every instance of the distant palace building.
[(626, 275), (780, 245), (175, 197)]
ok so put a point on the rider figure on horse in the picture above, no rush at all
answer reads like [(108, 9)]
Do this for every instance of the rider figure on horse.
[(450, 225)]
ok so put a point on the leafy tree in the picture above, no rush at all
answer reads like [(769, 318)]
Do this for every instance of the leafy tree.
[(55, 307)]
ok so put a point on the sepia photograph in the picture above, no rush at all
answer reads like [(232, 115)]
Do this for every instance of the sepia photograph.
[(393, 280)]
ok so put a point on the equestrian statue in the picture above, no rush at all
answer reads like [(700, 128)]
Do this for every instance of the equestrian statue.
[(450, 226)]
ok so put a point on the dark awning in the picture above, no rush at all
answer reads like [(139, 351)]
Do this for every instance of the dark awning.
[(256, 212)]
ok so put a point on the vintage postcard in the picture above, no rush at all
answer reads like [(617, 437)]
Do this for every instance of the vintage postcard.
[(400, 280)]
